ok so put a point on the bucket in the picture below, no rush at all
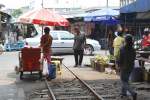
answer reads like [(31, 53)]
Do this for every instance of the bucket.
[(52, 71)]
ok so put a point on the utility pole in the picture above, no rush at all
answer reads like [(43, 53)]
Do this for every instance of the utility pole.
[(107, 3), (42, 4), (121, 3)]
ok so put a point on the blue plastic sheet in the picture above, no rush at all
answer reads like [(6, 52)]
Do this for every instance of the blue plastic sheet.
[(14, 46)]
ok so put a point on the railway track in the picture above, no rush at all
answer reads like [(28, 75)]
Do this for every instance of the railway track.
[(72, 89), (108, 89), (76, 89)]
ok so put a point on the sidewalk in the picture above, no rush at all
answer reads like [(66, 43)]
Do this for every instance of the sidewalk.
[(9, 91), (8, 87)]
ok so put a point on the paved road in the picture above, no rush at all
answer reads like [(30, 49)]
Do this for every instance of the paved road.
[(69, 59)]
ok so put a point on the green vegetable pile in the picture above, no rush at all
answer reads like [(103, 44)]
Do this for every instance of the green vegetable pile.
[(103, 60)]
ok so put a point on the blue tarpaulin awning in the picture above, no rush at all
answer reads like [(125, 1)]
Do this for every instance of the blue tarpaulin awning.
[(137, 6), (106, 15), (109, 20)]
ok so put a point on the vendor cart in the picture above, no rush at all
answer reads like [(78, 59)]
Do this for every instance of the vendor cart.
[(30, 60)]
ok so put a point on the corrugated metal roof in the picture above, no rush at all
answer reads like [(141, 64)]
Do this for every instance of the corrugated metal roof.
[(138, 6)]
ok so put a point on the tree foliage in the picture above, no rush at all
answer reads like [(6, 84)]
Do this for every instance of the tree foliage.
[(16, 13)]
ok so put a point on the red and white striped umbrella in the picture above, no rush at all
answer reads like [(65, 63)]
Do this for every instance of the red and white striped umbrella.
[(43, 17)]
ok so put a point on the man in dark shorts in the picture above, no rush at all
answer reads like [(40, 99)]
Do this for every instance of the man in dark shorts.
[(78, 47)]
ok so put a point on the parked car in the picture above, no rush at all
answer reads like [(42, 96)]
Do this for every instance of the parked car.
[(63, 43)]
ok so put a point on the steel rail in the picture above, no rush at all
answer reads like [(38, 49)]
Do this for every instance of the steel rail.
[(85, 84), (50, 91)]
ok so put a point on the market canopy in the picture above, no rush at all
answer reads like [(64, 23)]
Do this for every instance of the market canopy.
[(106, 15), (43, 17), (103, 12), (137, 6)]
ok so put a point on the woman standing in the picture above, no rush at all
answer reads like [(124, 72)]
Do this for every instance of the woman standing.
[(117, 44), (78, 47), (45, 44)]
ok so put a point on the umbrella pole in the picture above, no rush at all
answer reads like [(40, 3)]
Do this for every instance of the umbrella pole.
[(106, 40), (42, 29), (125, 20)]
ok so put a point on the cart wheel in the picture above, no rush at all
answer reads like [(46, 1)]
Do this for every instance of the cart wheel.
[(21, 74), (40, 74)]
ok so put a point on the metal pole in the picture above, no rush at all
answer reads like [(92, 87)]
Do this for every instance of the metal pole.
[(107, 4), (120, 3), (0, 24), (42, 25), (42, 29), (125, 20), (106, 46), (42, 4)]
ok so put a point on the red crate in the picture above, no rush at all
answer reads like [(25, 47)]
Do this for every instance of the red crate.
[(30, 60)]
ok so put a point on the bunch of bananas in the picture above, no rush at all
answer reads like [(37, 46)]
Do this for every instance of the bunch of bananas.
[(103, 60)]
